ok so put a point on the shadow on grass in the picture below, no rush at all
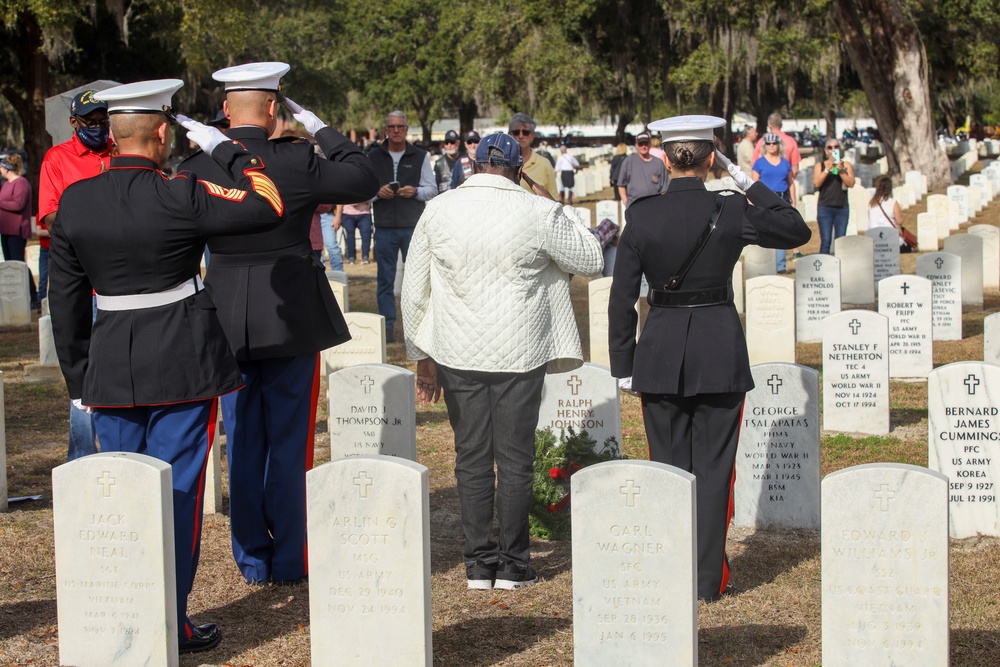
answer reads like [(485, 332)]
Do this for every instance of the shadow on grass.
[(746, 644), (975, 648), (463, 644), (906, 416), (767, 557), (19, 618), (427, 416), (254, 620)]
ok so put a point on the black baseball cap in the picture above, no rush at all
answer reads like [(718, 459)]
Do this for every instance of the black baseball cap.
[(451, 137), (472, 137), (84, 102)]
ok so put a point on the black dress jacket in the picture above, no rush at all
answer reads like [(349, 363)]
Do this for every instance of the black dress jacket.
[(701, 350), (130, 231), (271, 292)]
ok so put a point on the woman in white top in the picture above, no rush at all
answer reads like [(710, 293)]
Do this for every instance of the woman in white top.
[(884, 211)]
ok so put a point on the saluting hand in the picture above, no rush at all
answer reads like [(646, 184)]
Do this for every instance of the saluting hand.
[(309, 120), (740, 178), (205, 136)]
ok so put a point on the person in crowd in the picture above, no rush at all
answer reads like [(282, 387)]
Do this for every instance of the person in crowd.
[(789, 147), (536, 166), (15, 216), (463, 169), (354, 218), (279, 313), (524, 248), (776, 172), (566, 166), (407, 183), (86, 154), (156, 360), (745, 150), (885, 211), (641, 174), (621, 152), (832, 176), (446, 163), (690, 365)]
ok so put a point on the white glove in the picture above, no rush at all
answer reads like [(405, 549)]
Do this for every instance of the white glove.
[(743, 182), (78, 404), (625, 384), (205, 136), (310, 120)]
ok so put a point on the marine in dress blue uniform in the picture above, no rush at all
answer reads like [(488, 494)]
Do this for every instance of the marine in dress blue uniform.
[(278, 311), (690, 364), (155, 360)]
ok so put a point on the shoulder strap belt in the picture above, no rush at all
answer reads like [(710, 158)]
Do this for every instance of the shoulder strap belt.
[(153, 300), (675, 281)]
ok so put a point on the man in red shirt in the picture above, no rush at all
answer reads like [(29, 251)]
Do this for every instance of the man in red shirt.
[(86, 154)]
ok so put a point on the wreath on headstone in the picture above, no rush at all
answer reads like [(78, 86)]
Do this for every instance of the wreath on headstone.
[(556, 459)]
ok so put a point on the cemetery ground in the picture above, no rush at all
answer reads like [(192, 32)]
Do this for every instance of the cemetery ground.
[(772, 620)]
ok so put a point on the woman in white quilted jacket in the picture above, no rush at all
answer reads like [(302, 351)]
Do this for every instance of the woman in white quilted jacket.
[(486, 309)]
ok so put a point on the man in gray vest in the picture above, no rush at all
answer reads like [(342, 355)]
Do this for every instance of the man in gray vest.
[(407, 181)]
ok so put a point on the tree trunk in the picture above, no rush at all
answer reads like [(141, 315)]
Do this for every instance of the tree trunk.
[(467, 112), (886, 51), (29, 103)]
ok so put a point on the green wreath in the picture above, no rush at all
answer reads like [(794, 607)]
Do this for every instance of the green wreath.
[(555, 462)]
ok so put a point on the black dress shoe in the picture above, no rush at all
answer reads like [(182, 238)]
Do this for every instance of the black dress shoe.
[(203, 638)]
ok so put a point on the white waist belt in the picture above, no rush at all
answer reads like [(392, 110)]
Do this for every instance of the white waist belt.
[(140, 301)]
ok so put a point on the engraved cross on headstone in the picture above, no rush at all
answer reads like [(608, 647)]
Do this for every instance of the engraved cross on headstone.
[(368, 383), (774, 382), (106, 481), (972, 382), (906, 288), (574, 384), (363, 481), (885, 495), (855, 326), (630, 491), (939, 263), (817, 265)]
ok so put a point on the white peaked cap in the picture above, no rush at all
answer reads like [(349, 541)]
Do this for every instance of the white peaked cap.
[(687, 128), (141, 96), (253, 76)]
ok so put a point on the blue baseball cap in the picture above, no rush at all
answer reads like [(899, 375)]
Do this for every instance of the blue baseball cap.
[(84, 102), (499, 149)]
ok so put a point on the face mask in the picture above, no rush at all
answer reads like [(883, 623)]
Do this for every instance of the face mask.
[(94, 138)]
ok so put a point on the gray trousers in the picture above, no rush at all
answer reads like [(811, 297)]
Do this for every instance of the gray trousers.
[(494, 417)]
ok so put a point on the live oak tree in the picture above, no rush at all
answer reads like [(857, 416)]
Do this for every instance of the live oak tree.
[(887, 52)]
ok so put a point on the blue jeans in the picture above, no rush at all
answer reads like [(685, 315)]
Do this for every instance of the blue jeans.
[(352, 223), (389, 242), (81, 434), (330, 241), (43, 274), (832, 222)]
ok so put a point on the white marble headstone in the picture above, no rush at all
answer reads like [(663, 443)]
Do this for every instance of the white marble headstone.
[(585, 399), (947, 210), (759, 261), (116, 592), (856, 372), (770, 319), (370, 565), (817, 295), (960, 195), (991, 339), (885, 251), (963, 409), (634, 565), (737, 282), (944, 270), (598, 295), (927, 232), (15, 301), (340, 291), (778, 460), (906, 301), (970, 249), (857, 262), (372, 410), (367, 344), (885, 566), (607, 209), (213, 470), (991, 254)]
